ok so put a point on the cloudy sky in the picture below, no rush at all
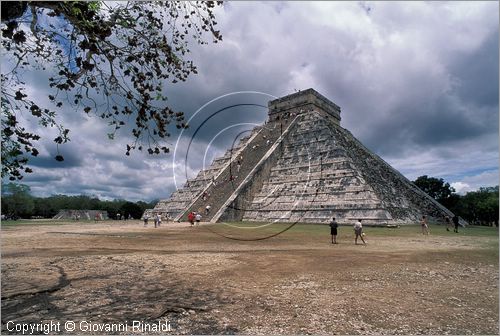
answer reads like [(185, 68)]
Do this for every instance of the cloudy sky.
[(417, 83)]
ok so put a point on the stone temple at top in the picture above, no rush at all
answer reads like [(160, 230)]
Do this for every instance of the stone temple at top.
[(301, 166)]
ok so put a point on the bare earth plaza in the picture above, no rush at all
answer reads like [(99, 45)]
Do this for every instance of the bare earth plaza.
[(249, 168), (111, 273)]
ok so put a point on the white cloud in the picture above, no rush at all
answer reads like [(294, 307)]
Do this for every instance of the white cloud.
[(474, 182), (461, 187)]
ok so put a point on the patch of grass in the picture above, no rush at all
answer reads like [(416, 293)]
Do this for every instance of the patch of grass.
[(435, 230), (479, 231), (22, 222), (248, 230), (315, 230)]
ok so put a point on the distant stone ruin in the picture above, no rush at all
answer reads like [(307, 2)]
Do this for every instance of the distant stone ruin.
[(82, 214), (302, 166)]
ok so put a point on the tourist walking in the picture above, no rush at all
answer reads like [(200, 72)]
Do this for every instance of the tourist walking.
[(455, 221), (333, 230), (191, 218), (425, 227), (207, 209), (358, 231), (158, 220), (447, 222), (146, 217), (198, 219)]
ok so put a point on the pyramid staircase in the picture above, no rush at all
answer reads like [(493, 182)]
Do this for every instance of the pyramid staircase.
[(217, 192), (181, 199)]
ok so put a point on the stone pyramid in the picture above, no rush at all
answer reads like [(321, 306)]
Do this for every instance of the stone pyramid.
[(302, 166)]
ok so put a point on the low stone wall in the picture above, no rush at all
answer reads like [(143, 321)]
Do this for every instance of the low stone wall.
[(82, 214)]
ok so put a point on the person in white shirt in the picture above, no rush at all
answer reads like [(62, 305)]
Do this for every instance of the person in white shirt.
[(198, 219), (425, 228), (207, 209), (358, 231), (158, 220)]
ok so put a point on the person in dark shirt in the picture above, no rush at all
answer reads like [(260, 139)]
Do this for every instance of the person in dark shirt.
[(448, 223), (333, 230), (455, 221)]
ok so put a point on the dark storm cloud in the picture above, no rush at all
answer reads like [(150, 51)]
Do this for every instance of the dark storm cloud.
[(71, 159), (40, 179), (478, 74), (467, 111), (442, 122)]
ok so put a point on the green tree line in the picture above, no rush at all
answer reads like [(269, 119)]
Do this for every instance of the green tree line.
[(17, 202), (478, 207)]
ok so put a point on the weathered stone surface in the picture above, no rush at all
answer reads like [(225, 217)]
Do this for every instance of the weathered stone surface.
[(181, 200), (302, 166), (300, 102)]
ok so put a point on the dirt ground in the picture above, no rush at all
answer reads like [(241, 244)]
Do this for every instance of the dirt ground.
[(296, 283)]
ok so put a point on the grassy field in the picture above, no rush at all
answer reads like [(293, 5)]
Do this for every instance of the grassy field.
[(49, 221), (313, 230), (19, 222), (256, 230)]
